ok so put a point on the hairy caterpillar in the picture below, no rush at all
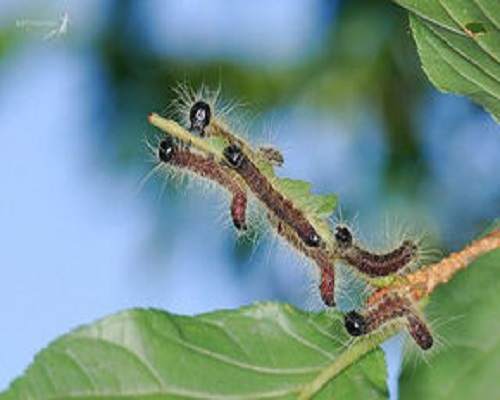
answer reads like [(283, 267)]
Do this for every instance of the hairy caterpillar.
[(373, 264), (288, 219), (390, 307), (267, 194), (180, 156)]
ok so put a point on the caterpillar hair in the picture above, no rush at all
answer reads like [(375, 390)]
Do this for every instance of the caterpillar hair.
[(182, 157), (373, 264), (390, 307), (196, 109), (270, 197)]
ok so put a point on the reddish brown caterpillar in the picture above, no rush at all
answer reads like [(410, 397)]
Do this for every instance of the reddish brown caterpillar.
[(373, 264), (319, 255), (182, 157), (389, 308), (267, 194)]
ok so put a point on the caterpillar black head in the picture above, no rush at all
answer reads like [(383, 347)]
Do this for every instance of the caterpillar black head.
[(166, 149), (343, 236), (234, 155), (199, 116), (355, 323), (313, 239)]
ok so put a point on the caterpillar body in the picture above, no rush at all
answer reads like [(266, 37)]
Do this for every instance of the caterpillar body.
[(373, 264), (390, 307), (267, 194)]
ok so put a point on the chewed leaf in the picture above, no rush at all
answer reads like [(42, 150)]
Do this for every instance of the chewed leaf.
[(459, 44), (267, 169), (322, 206), (318, 207), (294, 188), (260, 352)]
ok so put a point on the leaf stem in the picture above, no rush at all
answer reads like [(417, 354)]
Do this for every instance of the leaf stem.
[(427, 279), (173, 128), (359, 349)]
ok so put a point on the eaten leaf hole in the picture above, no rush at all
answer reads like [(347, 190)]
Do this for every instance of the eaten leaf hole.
[(475, 29)]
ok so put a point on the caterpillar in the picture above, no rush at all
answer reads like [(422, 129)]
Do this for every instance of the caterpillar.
[(267, 194), (373, 264), (390, 307), (238, 159), (180, 156)]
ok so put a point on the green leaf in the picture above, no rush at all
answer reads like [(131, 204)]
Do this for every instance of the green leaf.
[(467, 366), (217, 143), (320, 206), (263, 351), (459, 45), (295, 188)]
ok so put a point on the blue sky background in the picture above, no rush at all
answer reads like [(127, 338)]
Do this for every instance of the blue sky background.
[(78, 239)]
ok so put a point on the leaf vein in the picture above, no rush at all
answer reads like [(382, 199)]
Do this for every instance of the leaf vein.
[(486, 14), (305, 342), (466, 57), (485, 49), (457, 70), (239, 364)]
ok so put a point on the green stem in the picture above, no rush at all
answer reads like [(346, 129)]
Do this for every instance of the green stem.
[(174, 129), (360, 348)]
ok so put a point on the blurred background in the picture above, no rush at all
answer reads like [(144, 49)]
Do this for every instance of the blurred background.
[(336, 84)]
